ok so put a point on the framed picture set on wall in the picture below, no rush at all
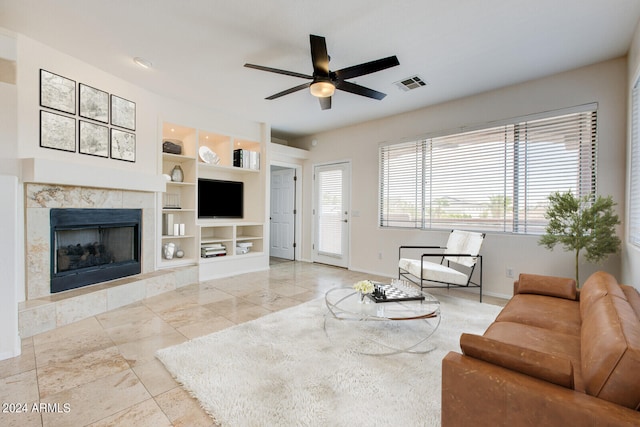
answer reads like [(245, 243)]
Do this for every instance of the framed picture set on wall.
[(123, 113), (57, 92), (94, 103), (94, 139), (123, 145), (57, 131)]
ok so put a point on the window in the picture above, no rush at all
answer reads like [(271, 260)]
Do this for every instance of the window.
[(494, 179), (634, 202)]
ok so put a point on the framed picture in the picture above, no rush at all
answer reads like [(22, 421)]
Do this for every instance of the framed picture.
[(123, 113), (57, 131), (94, 103), (123, 145), (57, 92), (94, 139)]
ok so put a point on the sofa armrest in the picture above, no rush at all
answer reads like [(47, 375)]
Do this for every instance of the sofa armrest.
[(554, 369), (559, 287), (482, 394)]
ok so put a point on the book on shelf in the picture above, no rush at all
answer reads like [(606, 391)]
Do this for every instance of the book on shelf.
[(167, 224), (206, 254), (212, 246), (212, 250), (246, 159), (254, 160)]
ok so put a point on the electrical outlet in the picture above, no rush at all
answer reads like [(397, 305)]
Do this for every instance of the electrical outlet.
[(509, 272)]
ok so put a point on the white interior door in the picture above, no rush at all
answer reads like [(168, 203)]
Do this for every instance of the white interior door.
[(282, 237), (331, 214)]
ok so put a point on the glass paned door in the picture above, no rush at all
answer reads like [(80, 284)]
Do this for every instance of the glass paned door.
[(331, 214)]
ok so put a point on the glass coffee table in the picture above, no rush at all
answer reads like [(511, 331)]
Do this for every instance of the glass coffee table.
[(389, 326)]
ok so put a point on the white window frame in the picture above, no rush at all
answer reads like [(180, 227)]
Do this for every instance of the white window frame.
[(634, 174)]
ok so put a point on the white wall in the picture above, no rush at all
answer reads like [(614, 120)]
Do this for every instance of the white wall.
[(10, 212), (32, 56), (151, 110), (604, 83), (631, 253), (9, 265)]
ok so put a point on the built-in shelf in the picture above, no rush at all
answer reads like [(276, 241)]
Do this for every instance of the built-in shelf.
[(169, 210), (180, 194), (180, 184), (233, 169), (206, 232)]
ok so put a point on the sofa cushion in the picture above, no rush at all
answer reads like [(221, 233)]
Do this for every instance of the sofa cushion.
[(611, 351), (433, 271), (554, 369), (556, 314), (541, 340), (559, 287), (633, 297), (598, 285)]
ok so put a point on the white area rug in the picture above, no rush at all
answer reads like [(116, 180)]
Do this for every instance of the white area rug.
[(283, 370)]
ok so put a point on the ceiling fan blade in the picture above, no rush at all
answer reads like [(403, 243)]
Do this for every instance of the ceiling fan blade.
[(325, 103), (367, 68), (278, 71), (319, 55), (288, 91), (359, 90)]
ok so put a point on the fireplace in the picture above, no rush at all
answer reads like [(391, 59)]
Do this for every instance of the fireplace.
[(90, 246)]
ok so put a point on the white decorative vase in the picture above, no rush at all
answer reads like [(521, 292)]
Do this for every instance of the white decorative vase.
[(168, 250), (176, 174)]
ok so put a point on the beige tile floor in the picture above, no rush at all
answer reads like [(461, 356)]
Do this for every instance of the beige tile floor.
[(101, 371)]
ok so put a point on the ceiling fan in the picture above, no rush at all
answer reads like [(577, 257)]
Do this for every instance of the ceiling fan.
[(324, 82)]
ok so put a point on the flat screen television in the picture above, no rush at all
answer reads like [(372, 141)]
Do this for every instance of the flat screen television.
[(220, 199)]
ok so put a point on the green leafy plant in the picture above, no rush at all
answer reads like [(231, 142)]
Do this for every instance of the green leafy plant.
[(579, 223)]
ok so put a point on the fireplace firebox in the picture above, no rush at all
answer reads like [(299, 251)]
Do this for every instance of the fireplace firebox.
[(91, 246)]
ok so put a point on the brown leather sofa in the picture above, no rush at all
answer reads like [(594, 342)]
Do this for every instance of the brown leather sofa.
[(554, 356)]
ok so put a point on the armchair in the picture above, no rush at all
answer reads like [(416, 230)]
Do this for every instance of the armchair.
[(461, 251)]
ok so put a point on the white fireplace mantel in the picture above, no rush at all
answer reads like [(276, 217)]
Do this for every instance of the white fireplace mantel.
[(48, 171)]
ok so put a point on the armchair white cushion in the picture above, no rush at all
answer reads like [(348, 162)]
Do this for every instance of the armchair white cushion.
[(433, 271)]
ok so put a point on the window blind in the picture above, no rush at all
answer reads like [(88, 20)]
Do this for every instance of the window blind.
[(634, 202), (401, 178), (494, 179), (330, 212)]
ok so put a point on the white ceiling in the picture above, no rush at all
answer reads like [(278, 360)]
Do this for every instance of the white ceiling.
[(198, 47)]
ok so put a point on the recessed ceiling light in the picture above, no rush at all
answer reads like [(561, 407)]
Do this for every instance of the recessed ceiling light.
[(142, 62)]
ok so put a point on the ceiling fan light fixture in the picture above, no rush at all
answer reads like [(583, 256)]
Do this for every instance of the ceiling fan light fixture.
[(322, 89)]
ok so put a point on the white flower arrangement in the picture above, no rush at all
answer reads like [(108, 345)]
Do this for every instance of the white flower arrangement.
[(364, 286)]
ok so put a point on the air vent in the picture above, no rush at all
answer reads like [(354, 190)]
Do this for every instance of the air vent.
[(410, 83)]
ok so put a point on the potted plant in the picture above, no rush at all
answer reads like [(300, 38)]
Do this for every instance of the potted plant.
[(582, 223)]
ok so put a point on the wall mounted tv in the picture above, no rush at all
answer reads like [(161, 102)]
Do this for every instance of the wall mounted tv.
[(220, 199)]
